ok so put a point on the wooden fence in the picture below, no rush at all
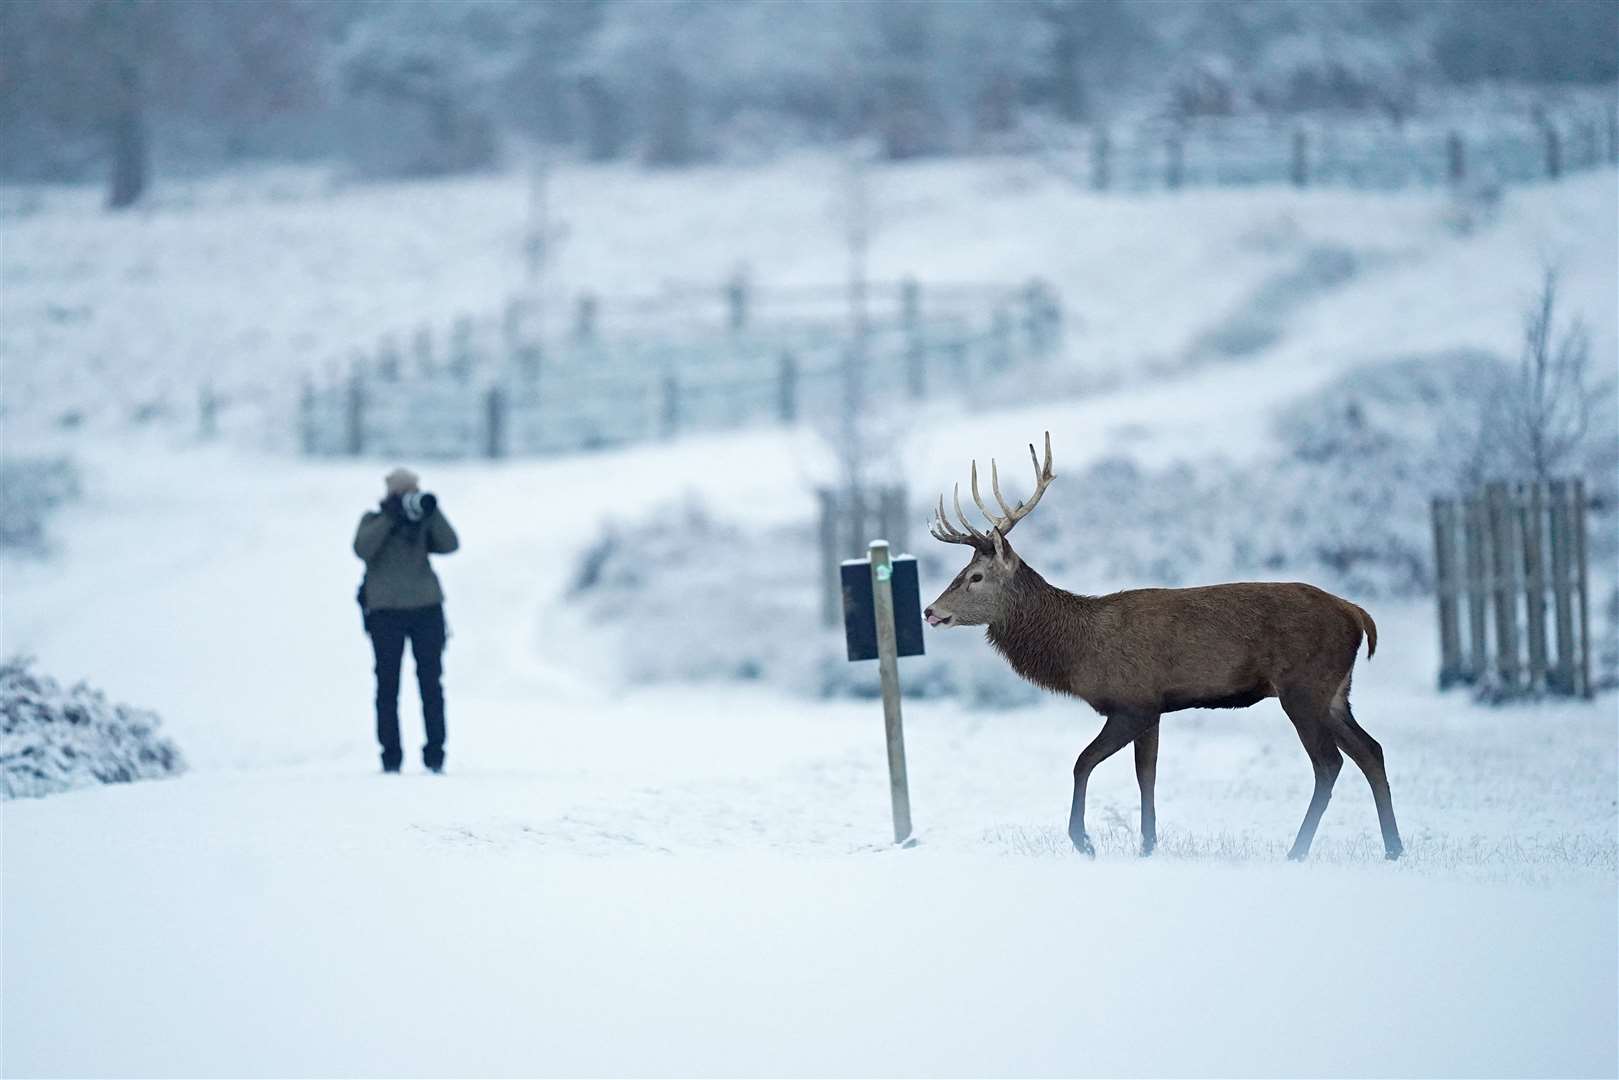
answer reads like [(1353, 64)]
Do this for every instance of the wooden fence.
[(1494, 148), (1509, 560), (630, 371), (849, 522)]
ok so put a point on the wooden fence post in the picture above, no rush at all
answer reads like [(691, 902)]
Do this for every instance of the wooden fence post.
[(1445, 586), (1503, 548), (1455, 158), (585, 317), (787, 387), (961, 361), (854, 520), (494, 417), (1174, 160), (354, 414), (831, 583), (1301, 158), (421, 347), (1473, 545), (1531, 515), (1563, 587), (893, 518), (1582, 582), (1042, 317), (511, 327), (1554, 148), (736, 302), (910, 314), (671, 405), (1101, 159), (461, 348), (207, 412), (306, 416)]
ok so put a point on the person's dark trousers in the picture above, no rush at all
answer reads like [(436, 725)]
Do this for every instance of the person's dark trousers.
[(389, 629)]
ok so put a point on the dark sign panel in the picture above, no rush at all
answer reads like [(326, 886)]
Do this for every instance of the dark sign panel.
[(859, 615)]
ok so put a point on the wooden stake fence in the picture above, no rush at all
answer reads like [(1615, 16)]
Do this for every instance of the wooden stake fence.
[(490, 389), (1498, 553)]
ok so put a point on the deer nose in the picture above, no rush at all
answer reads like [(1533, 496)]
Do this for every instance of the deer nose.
[(928, 614)]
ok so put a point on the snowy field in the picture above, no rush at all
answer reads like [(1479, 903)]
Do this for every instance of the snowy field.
[(695, 880)]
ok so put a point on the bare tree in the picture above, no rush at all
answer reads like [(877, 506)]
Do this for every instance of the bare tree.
[(1535, 422)]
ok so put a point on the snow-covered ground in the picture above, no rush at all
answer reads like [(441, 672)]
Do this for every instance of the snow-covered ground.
[(696, 880)]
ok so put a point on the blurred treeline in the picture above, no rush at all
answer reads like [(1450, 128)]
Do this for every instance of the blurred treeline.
[(424, 87)]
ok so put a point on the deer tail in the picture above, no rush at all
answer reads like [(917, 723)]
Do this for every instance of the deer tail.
[(1367, 625)]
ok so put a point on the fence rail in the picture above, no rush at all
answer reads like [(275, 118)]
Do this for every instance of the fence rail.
[(1539, 144), (1509, 560), (655, 368)]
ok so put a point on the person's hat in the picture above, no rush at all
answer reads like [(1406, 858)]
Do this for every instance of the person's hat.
[(400, 481)]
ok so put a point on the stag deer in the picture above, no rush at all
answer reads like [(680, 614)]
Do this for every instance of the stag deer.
[(1135, 655)]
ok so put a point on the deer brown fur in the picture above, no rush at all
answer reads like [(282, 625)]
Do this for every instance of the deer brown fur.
[(1135, 655)]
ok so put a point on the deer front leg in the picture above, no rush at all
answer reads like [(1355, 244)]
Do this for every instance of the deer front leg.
[(1147, 778), (1119, 729)]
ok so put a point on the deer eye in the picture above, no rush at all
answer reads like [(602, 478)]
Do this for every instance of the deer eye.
[(976, 577)]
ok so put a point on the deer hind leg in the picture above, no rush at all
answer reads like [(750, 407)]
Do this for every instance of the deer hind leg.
[(1368, 757), (1308, 714), (1119, 730), (1147, 777)]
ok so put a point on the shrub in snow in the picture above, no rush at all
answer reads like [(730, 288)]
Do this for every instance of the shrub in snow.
[(680, 596), (31, 489), (54, 739)]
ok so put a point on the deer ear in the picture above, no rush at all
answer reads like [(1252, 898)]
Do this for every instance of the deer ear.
[(1003, 551)]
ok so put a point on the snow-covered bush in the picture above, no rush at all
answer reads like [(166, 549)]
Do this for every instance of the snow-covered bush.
[(31, 489), (55, 739), (683, 597)]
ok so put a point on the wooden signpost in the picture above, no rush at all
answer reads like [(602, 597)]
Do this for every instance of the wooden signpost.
[(882, 620)]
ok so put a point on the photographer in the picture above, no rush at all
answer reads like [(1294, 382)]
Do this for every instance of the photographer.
[(401, 598)]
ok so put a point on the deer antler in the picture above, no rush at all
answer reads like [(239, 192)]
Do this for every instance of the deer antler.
[(1010, 516), (943, 530)]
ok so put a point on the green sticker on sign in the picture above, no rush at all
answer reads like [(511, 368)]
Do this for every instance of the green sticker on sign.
[(885, 572)]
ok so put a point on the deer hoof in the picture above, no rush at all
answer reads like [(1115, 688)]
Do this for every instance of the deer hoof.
[(1082, 844), (1147, 847), (1297, 856), (1393, 853)]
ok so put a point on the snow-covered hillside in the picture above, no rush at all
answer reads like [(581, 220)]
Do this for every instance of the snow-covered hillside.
[(696, 879), (248, 283)]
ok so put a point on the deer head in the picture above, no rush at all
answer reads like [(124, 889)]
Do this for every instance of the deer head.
[(977, 596)]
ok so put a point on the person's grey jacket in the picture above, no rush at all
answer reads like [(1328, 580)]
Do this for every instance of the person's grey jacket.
[(397, 573)]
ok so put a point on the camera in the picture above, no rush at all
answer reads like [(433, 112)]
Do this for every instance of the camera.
[(418, 505)]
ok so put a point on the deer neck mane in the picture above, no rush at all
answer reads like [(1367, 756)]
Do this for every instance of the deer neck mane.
[(1042, 631)]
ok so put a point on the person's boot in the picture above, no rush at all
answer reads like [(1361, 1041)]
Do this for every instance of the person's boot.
[(390, 762)]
